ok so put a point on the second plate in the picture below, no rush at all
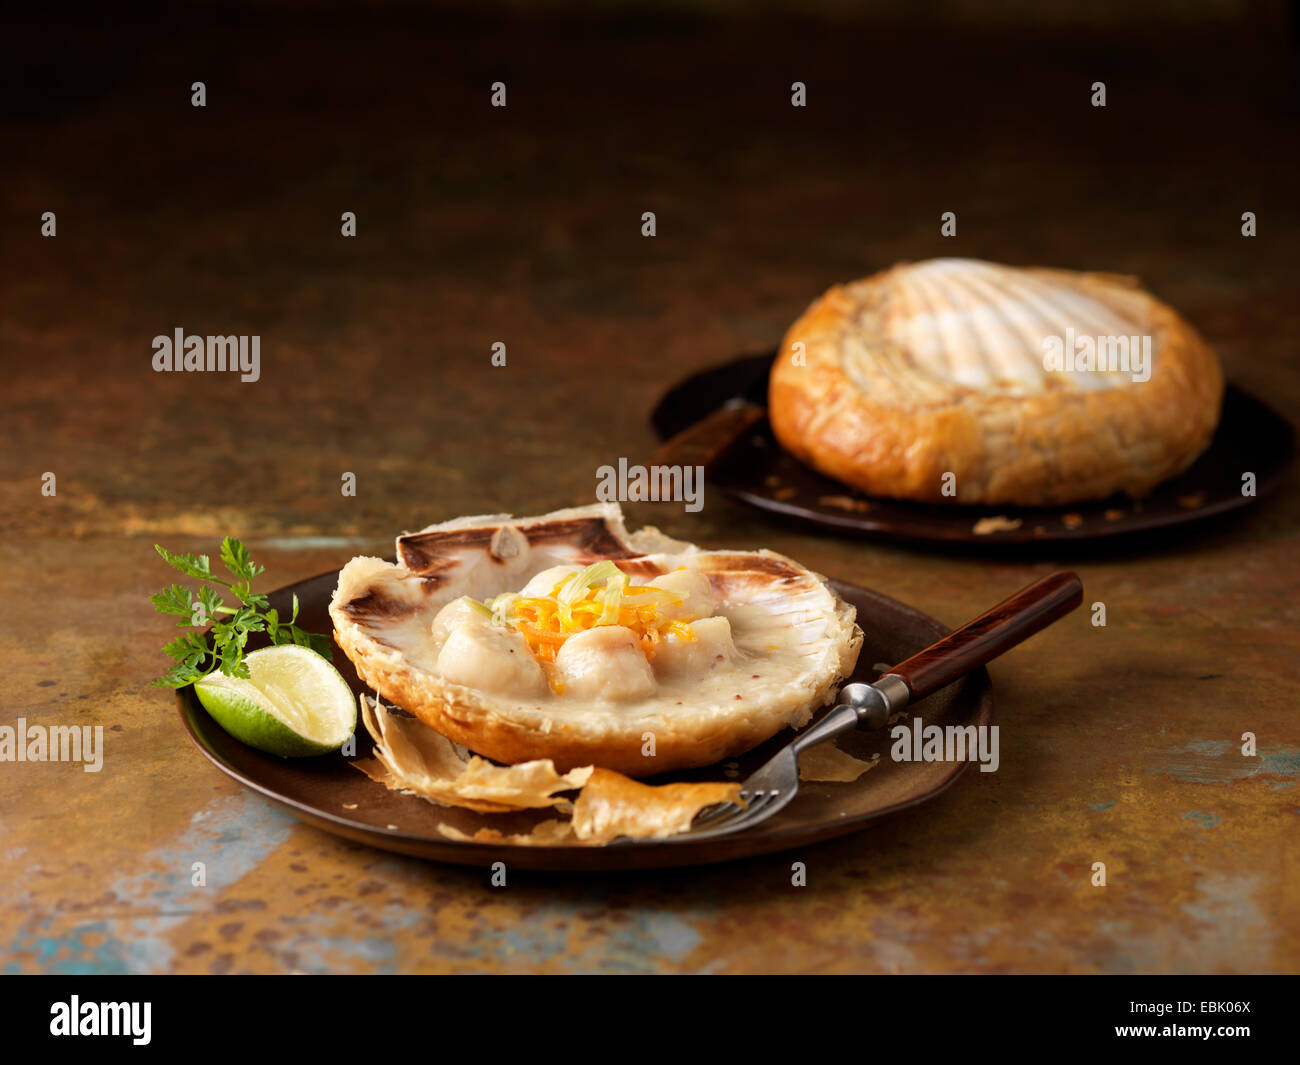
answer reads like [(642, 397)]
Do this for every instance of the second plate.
[(1251, 438)]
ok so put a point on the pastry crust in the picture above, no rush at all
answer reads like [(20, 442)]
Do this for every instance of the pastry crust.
[(863, 402), (382, 613)]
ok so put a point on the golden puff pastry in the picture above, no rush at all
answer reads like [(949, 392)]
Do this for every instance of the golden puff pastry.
[(955, 380)]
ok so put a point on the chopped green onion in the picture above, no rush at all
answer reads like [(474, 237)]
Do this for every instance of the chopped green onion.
[(500, 606), (654, 597), (479, 608), (576, 586), (612, 597)]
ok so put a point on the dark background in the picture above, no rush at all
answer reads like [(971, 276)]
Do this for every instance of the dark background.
[(523, 225)]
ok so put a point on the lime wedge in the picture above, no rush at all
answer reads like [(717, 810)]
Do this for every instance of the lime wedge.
[(294, 703)]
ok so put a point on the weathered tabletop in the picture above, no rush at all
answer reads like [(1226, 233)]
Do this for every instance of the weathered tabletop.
[(1120, 744)]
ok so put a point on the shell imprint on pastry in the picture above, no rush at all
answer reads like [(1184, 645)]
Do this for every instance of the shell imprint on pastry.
[(761, 643), (985, 326), (1020, 386)]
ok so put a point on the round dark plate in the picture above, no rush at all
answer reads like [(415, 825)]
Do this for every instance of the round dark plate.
[(1251, 438), (332, 794)]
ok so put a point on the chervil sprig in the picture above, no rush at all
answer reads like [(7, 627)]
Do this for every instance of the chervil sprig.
[(193, 657)]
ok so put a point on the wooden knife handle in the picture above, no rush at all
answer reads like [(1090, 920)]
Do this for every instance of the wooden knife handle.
[(703, 443), (991, 634)]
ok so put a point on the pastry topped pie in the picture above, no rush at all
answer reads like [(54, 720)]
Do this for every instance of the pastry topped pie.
[(954, 380), (566, 637)]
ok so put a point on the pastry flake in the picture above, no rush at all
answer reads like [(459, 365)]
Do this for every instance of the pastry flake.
[(827, 763), (413, 758), (612, 805), (410, 757)]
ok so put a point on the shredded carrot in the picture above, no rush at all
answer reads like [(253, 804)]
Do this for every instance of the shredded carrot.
[(542, 622)]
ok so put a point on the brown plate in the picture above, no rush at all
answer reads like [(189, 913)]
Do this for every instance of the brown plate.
[(333, 795), (1251, 437)]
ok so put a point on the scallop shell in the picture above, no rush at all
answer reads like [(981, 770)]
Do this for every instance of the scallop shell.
[(986, 327), (797, 640)]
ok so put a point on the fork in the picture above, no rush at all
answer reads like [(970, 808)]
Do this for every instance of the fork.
[(871, 706)]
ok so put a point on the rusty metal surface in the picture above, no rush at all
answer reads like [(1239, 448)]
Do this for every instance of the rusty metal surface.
[(1120, 744)]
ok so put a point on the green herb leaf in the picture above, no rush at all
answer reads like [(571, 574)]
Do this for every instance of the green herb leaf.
[(191, 565), (194, 658), (190, 648), (174, 600), (179, 676), (234, 556), (211, 602)]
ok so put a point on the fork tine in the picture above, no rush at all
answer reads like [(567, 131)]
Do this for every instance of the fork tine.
[(775, 784), (758, 802), (720, 812), (714, 812)]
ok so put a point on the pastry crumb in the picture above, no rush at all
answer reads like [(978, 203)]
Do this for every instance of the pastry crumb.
[(1113, 515), (1190, 502), (545, 834), (857, 506), (999, 523), (827, 762), (1071, 520)]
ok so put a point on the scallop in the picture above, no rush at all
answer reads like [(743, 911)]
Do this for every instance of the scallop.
[(455, 614), (544, 583), (711, 648), (698, 600), (604, 663), (773, 643), (490, 658)]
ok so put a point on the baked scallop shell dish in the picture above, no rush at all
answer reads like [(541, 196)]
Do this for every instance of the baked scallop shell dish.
[(567, 638), (1029, 386)]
